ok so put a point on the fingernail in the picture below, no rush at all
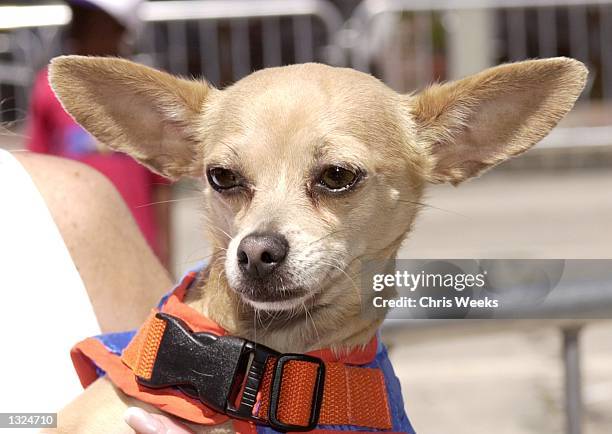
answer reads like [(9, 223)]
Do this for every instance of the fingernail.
[(142, 422)]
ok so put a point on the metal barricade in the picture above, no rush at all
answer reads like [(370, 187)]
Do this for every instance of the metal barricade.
[(221, 40), (226, 40), (29, 35), (412, 43)]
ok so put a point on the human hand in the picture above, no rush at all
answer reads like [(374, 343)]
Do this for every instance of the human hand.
[(148, 423)]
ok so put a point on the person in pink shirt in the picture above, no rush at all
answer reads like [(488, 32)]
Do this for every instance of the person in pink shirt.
[(99, 27)]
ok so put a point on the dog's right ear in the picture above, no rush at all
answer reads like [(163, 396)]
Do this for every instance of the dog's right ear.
[(151, 115)]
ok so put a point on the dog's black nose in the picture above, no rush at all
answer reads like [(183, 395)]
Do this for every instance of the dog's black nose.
[(259, 254)]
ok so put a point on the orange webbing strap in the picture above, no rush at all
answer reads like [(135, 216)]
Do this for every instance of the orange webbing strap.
[(351, 396), (140, 354)]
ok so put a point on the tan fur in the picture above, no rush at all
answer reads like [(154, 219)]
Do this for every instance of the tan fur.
[(278, 125), (134, 109), (476, 123)]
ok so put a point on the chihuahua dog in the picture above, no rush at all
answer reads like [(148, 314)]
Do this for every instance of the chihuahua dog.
[(308, 171)]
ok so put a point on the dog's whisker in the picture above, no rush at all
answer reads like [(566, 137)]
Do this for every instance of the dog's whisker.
[(314, 325), (215, 227), (190, 187), (328, 235), (212, 253), (255, 316), (338, 266), (199, 259), (426, 205), (183, 199)]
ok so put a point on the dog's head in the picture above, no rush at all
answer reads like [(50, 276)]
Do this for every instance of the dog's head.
[(308, 168)]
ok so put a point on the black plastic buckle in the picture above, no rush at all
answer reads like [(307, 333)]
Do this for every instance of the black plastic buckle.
[(210, 368), (317, 395), (214, 370)]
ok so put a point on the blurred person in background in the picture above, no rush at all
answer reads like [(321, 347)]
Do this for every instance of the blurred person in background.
[(101, 28)]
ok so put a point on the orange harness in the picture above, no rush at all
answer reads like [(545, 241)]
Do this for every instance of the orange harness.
[(162, 365)]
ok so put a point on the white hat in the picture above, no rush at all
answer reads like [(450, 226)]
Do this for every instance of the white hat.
[(124, 11)]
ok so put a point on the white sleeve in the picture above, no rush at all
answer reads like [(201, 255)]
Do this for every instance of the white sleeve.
[(45, 306)]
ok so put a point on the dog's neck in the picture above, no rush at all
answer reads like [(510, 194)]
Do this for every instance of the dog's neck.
[(338, 325)]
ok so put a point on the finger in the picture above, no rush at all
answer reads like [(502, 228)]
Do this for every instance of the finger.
[(171, 426), (146, 423), (143, 422)]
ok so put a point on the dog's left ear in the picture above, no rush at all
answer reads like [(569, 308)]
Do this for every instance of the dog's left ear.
[(149, 114), (470, 125)]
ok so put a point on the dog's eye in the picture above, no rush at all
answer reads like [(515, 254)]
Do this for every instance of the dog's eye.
[(336, 178), (222, 179)]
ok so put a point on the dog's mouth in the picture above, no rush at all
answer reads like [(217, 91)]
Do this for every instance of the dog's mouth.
[(289, 286), (282, 299)]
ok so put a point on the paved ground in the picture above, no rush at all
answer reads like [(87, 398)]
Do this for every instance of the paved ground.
[(508, 383), (564, 214)]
